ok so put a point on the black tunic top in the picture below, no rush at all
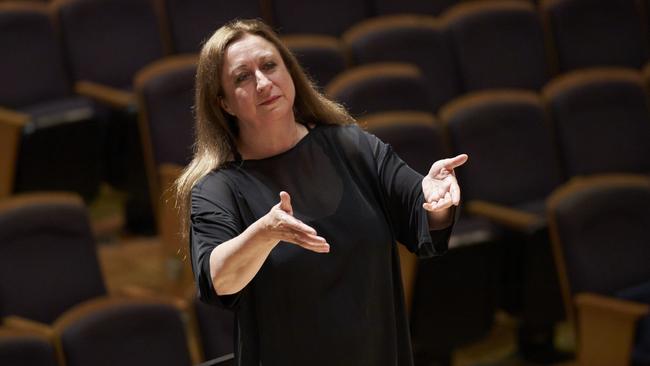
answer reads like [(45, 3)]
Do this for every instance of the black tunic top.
[(344, 307)]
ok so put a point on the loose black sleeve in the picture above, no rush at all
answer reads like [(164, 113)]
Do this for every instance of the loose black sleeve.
[(402, 187), (213, 220)]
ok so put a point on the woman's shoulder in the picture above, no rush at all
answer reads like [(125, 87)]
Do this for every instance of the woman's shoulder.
[(216, 180), (343, 132)]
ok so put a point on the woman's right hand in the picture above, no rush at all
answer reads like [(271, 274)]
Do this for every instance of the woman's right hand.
[(279, 224)]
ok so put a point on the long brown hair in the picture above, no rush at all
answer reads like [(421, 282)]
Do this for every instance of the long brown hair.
[(216, 131)]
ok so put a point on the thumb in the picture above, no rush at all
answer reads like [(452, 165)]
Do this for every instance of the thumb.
[(285, 202)]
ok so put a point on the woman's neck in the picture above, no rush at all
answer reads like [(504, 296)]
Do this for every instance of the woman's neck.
[(257, 143)]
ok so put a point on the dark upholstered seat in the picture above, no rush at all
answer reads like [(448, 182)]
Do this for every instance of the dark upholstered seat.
[(498, 44), (47, 255), (416, 39), (586, 33), (50, 139), (600, 228), (381, 87), (601, 118), (322, 57)]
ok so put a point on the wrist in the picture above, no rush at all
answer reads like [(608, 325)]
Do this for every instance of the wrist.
[(261, 234)]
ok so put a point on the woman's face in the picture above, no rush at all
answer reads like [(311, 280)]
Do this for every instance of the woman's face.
[(256, 84)]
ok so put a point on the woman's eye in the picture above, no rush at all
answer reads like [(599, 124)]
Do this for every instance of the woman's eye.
[(268, 65), (241, 77)]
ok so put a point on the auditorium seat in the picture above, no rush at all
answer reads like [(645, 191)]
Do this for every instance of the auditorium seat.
[(512, 168), (317, 17), (587, 33), (165, 93), (106, 42), (48, 260), (601, 120), (322, 57), (389, 7), (191, 22), (380, 87), (416, 39), (498, 44), (125, 332), (50, 139), (600, 227), (24, 348)]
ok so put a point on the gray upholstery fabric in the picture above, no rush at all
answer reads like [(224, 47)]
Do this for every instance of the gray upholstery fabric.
[(31, 67), (425, 47), (127, 334), (597, 33), (48, 261), (320, 16), (193, 21), (602, 126), (500, 47), (512, 158), (108, 41), (320, 63), (26, 350), (168, 100), (382, 93)]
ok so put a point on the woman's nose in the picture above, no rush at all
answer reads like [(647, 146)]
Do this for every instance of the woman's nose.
[(262, 81)]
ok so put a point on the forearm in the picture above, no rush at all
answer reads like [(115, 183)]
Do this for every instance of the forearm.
[(439, 220), (234, 263)]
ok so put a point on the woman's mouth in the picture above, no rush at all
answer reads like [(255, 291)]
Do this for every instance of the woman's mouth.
[(270, 100)]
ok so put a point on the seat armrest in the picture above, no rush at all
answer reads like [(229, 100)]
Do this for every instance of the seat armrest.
[(18, 323), (606, 328), (141, 293), (106, 94), (12, 124), (506, 216)]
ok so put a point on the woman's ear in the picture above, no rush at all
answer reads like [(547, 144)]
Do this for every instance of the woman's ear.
[(225, 106)]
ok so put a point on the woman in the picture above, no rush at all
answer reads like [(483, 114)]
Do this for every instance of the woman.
[(294, 212)]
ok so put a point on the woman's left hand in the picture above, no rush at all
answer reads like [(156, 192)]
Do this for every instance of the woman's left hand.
[(440, 187)]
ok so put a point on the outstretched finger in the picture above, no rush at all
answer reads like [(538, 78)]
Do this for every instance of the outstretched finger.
[(293, 223), (311, 242), (285, 203), (456, 161)]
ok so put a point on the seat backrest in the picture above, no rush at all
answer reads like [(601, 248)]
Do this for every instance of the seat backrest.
[(108, 41), (417, 137), (191, 22), (506, 135), (123, 332), (600, 228), (588, 33), (165, 92), (498, 44), (416, 39), (25, 349), (602, 121), (31, 67), (381, 87), (48, 260), (384, 7), (331, 17), (321, 56)]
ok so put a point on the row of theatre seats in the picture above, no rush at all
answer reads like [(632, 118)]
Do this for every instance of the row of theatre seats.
[(504, 81), (55, 308), (80, 105), (56, 311)]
